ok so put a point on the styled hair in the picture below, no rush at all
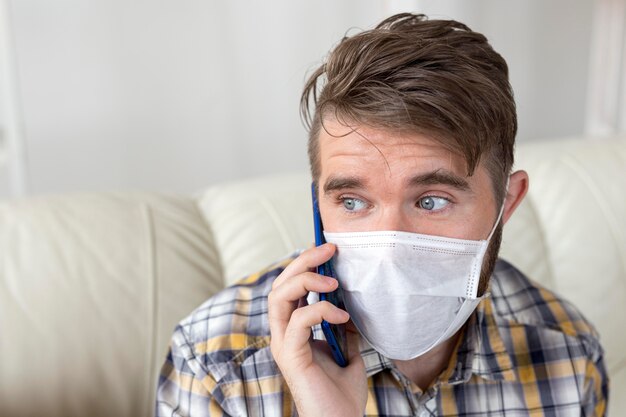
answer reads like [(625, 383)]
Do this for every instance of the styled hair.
[(411, 74)]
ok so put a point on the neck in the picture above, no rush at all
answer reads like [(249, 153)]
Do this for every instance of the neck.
[(424, 369)]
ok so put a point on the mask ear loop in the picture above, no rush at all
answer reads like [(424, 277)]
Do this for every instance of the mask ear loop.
[(472, 287), (506, 192)]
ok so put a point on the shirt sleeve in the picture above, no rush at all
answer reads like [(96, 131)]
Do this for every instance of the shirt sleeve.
[(596, 386), (183, 388)]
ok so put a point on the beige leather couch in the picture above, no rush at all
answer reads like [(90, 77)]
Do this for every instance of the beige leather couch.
[(91, 285)]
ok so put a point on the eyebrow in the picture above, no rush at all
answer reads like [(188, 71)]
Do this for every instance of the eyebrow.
[(342, 183), (440, 176), (437, 177)]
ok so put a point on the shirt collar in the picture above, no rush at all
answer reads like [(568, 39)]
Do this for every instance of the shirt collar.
[(489, 356)]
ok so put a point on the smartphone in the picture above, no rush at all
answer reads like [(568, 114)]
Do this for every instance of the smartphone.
[(335, 333)]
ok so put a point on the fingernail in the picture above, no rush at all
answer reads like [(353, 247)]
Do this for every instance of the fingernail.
[(330, 281)]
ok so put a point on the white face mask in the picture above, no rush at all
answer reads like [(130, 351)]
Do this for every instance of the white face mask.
[(407, 292)]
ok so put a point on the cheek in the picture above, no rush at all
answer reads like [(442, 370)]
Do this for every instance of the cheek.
[(467, 221), (334, 219), (479, 222), (330, 220)]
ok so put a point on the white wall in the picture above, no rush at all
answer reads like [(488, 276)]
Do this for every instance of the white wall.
[(546, 44), (176, 95)]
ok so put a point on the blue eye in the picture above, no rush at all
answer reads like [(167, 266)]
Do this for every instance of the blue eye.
[(432, 203), (353, 204)]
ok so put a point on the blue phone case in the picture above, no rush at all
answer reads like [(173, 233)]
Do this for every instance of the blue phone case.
[(335, 334)]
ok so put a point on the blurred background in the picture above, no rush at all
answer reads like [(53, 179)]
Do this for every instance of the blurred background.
[(174, 96)]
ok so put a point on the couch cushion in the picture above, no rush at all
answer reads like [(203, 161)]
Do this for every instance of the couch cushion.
[(91, 287), (259, 221)]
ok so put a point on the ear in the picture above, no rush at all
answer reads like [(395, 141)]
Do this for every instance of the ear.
[(518, 186)]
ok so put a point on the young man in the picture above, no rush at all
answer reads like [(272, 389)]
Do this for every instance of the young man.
[(411, 149)]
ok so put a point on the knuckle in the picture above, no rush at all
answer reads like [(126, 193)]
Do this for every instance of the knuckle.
[(326, 306), (298, 314), (303, 315), (309, 314), (311, 277), (278, 280), (311, 274), (305, 280), (270, 297)]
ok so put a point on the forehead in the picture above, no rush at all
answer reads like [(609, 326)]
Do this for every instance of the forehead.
[(383, 152)]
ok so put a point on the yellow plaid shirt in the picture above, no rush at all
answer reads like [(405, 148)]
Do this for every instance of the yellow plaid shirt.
[(524, 352)]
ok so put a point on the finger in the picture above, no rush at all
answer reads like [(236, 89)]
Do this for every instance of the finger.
[(299, 329), (300, 285), (307, 261), (283, 300)]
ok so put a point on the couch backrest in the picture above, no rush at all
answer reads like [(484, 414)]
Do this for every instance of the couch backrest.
[(569, 234), (91, 287)]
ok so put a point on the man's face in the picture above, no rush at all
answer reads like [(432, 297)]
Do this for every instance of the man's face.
[(373, 180)]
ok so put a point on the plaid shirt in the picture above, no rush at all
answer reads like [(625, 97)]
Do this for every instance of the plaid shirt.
[(524, 352)]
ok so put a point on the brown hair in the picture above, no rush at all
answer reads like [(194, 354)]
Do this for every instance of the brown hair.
[(411, 74)]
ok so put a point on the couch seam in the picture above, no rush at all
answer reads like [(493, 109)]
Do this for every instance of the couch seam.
[(197, 203), (153, 307), (271, 211)]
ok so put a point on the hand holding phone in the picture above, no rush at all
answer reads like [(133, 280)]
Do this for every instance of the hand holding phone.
[(335, 333), (305, 363)]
